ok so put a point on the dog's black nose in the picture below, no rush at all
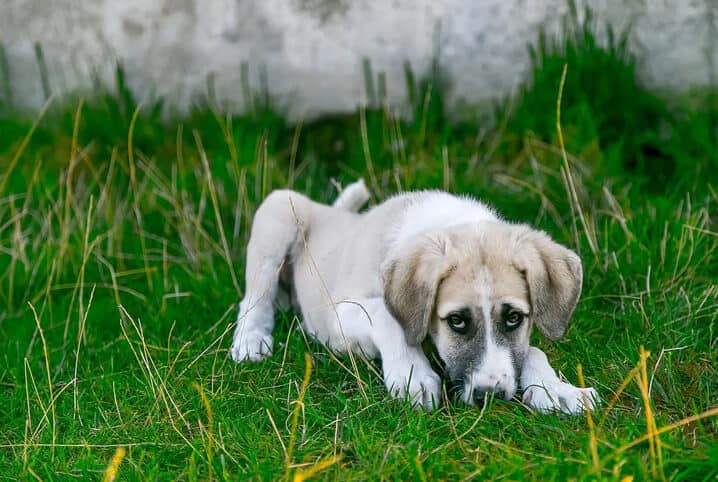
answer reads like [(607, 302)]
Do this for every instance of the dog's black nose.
[(480, 393)]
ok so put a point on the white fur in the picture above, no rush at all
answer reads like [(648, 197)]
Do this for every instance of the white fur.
[(436, 210), (353, 197), (545, 392), (337, 258), (365, 326), (495, 372)]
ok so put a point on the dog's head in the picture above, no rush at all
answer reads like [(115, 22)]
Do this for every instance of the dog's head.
[(476, 291)]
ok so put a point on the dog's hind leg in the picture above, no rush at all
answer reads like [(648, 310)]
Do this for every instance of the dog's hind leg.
[(275, 232), (353, 197)]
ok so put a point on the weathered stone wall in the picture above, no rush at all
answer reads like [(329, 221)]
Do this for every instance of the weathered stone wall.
[(310, 52)]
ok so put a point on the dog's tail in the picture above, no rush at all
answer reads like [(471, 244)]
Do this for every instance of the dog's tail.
[(353, 197)]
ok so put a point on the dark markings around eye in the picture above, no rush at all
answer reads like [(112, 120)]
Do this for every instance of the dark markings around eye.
[(459, 320), (511, 317)]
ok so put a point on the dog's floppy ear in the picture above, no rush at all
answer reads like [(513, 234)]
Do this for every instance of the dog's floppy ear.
[(412, 276), (554, 276)]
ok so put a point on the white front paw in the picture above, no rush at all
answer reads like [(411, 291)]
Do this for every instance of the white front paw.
[(420, 384), (562, 397), (253, 345)]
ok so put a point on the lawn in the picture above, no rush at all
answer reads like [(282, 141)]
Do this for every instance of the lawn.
[(122, 235)]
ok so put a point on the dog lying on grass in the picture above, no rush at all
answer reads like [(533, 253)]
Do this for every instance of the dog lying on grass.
[(419, 265)]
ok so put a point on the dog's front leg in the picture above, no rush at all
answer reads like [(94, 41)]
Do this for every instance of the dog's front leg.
[(407, 371), (546, 392)]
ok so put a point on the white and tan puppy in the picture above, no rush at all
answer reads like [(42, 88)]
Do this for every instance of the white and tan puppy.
[(420, 265)]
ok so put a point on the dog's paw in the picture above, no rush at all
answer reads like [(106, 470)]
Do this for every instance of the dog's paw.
[(562, 397), (253, 334), (253, 346), (420, 385)]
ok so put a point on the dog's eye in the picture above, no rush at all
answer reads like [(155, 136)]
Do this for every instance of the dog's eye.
[(458, 322), (512, 319)]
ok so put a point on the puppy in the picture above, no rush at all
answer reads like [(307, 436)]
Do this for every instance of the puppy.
[(421, 265)]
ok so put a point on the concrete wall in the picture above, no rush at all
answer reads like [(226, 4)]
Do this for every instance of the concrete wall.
[(310, 51)]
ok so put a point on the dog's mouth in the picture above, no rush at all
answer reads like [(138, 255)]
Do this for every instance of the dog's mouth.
[(458, 386), (455, 389), (455, 385), (459, 389)]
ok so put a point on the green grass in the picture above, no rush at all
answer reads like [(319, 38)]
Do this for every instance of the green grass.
[(128, 252)]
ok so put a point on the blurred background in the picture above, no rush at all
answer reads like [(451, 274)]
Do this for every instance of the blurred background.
[(315, 56)]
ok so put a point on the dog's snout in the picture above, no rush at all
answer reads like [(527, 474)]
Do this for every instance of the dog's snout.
[(480, 393)]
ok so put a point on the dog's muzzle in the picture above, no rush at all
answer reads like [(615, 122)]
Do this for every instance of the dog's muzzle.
[(482, 393)]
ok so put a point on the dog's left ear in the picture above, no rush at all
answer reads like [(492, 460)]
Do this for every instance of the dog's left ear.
[(411, 280), (554, 276)]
